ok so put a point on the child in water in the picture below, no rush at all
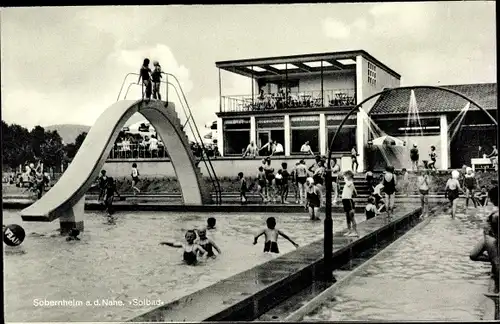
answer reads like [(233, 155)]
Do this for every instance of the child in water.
[(452, 191), (271, 234), (206, 243), (370, 209), (191, 249), (211, 221)]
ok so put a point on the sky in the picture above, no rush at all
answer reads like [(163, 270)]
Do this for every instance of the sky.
[(65, 65)]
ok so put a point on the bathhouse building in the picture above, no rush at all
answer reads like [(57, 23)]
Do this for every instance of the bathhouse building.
[(299, 98)]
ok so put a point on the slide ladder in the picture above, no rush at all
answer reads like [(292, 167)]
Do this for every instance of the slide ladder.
[(188, 114)]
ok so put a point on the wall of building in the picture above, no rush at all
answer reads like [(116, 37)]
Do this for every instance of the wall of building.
[(224, 167), (344, 80), (383, 79)]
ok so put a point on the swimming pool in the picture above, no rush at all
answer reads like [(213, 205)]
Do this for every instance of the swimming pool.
[(124, 262)]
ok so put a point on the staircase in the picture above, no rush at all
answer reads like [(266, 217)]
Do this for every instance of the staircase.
[(362, 186)]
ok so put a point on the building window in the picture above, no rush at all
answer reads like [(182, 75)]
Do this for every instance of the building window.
[(236, 135), (346, 139), (271, 128), (372, 73), (303, 129)]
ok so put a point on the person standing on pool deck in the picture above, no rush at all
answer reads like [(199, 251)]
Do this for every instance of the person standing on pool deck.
[(348, 193), (269, 170), (452, 191), (301, 174), (243, 188), (389, 189), (135, 178), (271, 234), (433, 156), (295, 183), (470, 186), (284, 183), (109, 198), (191, 249), (423, 189), (102, 182), (354, 158), (146, 79), (335, 180), (156, 77), (313, 199), (261, 184)]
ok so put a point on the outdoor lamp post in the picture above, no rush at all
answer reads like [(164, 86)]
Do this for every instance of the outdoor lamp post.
[(328, 228)]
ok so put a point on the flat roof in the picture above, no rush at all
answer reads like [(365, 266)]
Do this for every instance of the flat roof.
[(268, 67)]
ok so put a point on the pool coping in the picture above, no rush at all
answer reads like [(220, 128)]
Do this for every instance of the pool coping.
[(267, 286)]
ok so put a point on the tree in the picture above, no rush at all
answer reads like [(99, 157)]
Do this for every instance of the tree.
[(16, 142), (72, 148)]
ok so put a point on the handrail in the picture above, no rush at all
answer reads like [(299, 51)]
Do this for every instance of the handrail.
[(205, 159), (189, 117)]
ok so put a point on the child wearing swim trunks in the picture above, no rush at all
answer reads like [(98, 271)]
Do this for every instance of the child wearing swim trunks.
[(156, 77), (135, 178), (370, 209), (278, 181), (271, 235), (243, 188), (109, 198), (404, 181), (433, 156), (102, 182), (295, 183), (301, 174), (348, 193), (211, 221), (423, 189), (452, 191), (284, 183), (207, 244), (261, 184), (191, 249), (470, 186)]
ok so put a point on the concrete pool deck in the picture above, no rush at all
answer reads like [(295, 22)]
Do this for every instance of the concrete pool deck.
[(249, 294)]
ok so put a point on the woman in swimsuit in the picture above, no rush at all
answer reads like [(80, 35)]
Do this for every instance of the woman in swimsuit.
[(301, 174), (313, 198), (207, 244), (453, 190), (470, 186), (145, 75), (271, 234), (423, 189), (191, 250), (389, 189)]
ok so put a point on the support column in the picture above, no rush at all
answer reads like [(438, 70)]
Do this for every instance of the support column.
[(287, 135), (253, 130), (360, 141), (73, 217), (322, 134), (220, 136), (445, 150)]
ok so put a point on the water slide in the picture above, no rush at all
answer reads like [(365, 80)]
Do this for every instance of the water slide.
[(85, 168)]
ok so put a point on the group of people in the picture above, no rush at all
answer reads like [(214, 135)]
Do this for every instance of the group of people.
[(34, 177), (428, 164), (151, 80)]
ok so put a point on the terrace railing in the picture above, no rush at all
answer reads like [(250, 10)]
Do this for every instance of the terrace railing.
[(295, 100)]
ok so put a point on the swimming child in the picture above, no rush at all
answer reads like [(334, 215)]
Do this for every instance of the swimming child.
[(243, 188), (470, 186), (348, 193), (135, 178), (313, 198), (423, 189), (452, 191), (271, 234), (389, 189), (191, 249), (284, 182), (211, 221), (207, 244), (370, 209), (156, 77), (261, 184)]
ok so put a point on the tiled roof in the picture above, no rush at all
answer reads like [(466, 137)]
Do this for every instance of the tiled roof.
[(434, 100)]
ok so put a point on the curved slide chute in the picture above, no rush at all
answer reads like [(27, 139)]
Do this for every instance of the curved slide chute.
[(70, 190)]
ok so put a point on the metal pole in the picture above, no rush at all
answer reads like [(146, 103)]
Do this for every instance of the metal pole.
[(252, 88), (220, 93), (322, 102)]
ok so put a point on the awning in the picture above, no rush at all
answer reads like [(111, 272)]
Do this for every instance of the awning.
[(387, 140)]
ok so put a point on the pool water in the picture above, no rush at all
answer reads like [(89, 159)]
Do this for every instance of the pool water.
[(124, 262), (427, 276)]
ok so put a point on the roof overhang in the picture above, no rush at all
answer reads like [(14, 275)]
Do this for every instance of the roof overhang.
[(294, 65)]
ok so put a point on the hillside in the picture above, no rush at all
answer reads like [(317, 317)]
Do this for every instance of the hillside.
[(68, 132)]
